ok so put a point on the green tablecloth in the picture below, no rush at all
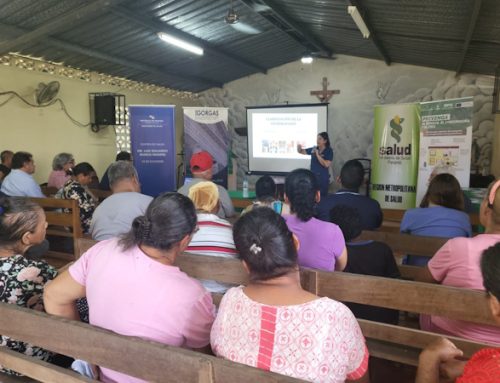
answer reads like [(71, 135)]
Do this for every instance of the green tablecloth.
[(239, 194)]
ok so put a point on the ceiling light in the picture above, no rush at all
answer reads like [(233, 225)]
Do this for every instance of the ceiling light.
[(358, 19), (306, 59), (180, 43)]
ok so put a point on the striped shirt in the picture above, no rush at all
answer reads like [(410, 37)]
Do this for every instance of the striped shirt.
[(214, 238)]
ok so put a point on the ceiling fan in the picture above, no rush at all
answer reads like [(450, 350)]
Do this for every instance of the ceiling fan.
[(233, 19)]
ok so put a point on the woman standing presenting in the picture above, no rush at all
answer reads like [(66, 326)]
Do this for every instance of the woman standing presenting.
[(321, 159)]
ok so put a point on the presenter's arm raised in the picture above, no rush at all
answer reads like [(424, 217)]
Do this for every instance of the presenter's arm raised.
[(300, 149)]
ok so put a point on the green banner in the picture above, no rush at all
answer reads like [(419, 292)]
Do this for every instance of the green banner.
[(395, 155)]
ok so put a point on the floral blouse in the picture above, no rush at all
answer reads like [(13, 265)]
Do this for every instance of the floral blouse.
[(21, 283), (74, 190)]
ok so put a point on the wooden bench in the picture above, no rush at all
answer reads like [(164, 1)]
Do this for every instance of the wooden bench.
[(144, 359), (389, 342), (403, 244), (61, 224)]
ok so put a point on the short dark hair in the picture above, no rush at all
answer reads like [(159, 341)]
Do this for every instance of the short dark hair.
[(265, 188), (123, 156), (348, 219), (5, 154), (265, 243), (167, 220), (20, 158), (352, 175), (444, 190), (17, 216), (83, 168), (301, 187), (4, 169), (325, 137), (490, 268)]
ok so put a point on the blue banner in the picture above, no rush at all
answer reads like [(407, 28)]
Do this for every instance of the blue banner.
[(152, 135)]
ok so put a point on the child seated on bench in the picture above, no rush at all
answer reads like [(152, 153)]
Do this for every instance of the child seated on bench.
[(22, 280), (274, 324), (484, 366), (367, 258)]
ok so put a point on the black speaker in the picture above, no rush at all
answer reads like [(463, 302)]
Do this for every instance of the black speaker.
[(105, 110)]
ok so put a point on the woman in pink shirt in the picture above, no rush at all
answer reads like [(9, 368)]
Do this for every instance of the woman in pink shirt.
[(132, 287), (61, 170), (274, 324), (457, 264)]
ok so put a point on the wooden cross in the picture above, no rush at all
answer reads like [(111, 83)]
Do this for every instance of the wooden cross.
[(324, 95)]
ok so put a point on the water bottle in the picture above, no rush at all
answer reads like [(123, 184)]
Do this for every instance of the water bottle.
[(245, 188)]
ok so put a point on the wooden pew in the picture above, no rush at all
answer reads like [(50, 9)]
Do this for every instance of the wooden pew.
[(61, 224), (403, 244), (144, 359), (389, 342)]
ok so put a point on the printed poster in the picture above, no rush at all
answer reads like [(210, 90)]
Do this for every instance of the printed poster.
[(445, 141), (206, 129)]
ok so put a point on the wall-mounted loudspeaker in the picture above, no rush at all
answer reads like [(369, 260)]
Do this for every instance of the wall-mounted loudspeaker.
[(105, 110)]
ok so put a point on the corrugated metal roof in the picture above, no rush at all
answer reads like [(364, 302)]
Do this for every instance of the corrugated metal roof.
[(121, 40)]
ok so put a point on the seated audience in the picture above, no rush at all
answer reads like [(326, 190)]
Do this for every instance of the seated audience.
[(266, 192), (457, 264), (484, 366), (20, 182), (274, 324), (61, 170), (201, 164), (322, 244), (22, 280), (351, 178), (74, 188), (215, 235), (115, 214), (367, 258), (104, 184), (4, 172), (442, 168), (6, 158), (132, 286), (440, 214)]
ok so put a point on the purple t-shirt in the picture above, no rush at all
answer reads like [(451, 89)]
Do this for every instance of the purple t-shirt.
[(321, 243)]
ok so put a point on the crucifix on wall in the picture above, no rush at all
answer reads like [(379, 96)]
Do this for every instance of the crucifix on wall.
[(324, 95)]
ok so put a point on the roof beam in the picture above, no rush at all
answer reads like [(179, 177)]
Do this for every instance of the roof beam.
[(275, 14), (57, 24), (146, 68), (373, 36), (158, 26), (468, 36)]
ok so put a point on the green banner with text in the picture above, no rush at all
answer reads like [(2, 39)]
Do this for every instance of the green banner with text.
[(395, 155)]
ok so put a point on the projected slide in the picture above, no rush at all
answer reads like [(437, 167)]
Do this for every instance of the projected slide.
[(277, 135), (275, 132)]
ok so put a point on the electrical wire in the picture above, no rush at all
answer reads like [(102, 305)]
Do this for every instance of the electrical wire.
[(13, 94)]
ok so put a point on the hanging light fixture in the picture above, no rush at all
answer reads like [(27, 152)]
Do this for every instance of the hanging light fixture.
[(358, 19), (180, 43)]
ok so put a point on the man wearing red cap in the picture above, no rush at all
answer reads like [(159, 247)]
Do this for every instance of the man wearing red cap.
[(201, 164)]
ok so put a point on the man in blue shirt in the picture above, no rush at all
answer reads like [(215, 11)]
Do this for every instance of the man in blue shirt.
[(352, 176), (20, 182)]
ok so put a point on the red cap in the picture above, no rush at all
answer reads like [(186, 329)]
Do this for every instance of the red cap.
[(201, 162)]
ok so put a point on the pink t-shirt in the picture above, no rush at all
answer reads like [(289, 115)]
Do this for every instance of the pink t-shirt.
[(318, 341), (131, 294), (457, 264), (57, 178), (321, 243)]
